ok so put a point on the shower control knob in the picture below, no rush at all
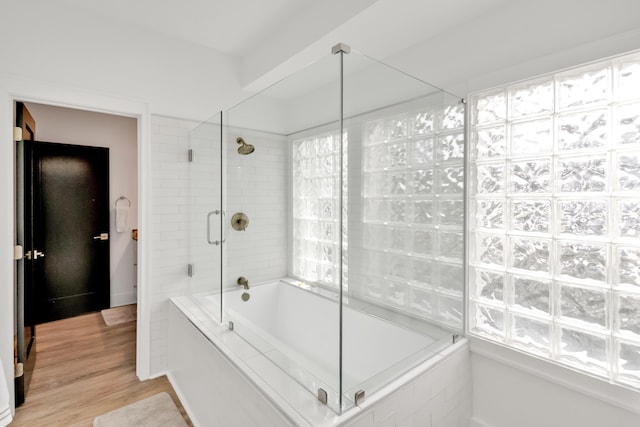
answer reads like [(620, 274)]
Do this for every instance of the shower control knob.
[(240, 221)]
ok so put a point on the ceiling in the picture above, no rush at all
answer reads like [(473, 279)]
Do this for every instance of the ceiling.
[(263, 34)]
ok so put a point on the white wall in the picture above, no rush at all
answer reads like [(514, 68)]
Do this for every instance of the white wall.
[(119, 134), (522, 40)]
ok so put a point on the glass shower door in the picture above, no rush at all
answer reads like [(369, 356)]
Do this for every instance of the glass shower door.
[(206, 214)]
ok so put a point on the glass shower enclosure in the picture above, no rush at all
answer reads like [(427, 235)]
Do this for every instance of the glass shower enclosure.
[(343, 181)]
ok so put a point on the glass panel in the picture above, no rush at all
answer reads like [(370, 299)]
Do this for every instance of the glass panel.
[(262, 160), (406, 216), (205, 211)]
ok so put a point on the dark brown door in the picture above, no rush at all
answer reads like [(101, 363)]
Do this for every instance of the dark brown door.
[(25, 342), (71, 226)]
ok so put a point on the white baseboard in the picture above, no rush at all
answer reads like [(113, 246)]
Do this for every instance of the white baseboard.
[(124, 298)]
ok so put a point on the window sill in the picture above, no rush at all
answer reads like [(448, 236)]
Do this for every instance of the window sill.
[(613, 394)]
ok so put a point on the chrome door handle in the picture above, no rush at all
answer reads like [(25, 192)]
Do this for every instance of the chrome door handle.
[(101, 236)]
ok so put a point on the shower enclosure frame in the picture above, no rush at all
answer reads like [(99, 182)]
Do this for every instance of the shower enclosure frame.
[(222, 212)]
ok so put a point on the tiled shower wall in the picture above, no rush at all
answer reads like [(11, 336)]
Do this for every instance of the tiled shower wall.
[(168, 241), (183, 193)]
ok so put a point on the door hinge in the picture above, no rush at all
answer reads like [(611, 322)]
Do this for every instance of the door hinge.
[(190, 270), (18, 252), (190, 155), (17, 134)]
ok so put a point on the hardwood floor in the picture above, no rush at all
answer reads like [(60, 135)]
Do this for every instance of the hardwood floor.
[(84, 369)]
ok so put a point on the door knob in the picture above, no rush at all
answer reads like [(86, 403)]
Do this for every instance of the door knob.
[(101, 236)]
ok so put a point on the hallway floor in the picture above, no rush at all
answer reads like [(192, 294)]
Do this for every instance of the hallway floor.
[(83, 369)]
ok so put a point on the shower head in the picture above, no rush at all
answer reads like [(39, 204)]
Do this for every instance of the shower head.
[(244, 148)]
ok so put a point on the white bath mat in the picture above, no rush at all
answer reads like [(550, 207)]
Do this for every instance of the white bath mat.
[(155, 411), (117, 315)]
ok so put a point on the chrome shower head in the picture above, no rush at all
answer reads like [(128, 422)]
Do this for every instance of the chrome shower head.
[(244, 148)]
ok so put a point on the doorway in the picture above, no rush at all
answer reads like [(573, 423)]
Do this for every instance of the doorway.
[(95, 133)]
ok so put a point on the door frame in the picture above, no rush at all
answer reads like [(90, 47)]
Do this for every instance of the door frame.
[(14, 89)]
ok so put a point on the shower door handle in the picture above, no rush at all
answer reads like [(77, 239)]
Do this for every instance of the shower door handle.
[(209, 215)]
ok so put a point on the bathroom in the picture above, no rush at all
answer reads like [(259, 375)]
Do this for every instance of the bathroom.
[(472, 56)]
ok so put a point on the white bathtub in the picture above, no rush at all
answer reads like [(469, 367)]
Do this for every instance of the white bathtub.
[(294, 351)]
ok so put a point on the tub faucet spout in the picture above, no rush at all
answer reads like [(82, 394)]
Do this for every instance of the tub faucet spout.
[(242, 281)]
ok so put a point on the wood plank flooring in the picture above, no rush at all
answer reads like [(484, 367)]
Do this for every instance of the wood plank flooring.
[(84, 369)]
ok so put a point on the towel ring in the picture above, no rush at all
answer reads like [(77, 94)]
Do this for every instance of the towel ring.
[(122, 198)]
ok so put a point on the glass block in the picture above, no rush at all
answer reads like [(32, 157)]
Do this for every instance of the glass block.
[(376, 210), (583, 260), (629, 218), (451, 277), (375, 184), (375, 157), (489, 178), (490, 108), (629, 171), (398, 210), (531, 215), (396, 127), (629, 363), (422, 181), (487, 320), (628, 260), (397, 183), (628, 315), (328, 209), (488, 143), (628, 124), (451, 244), (585, 88), (531, 137), (399, 239), (532, 334), (327, 231), (422, 272), (531, 176), (421, 302), (583, 174), (397, 294), (584, 305), (450, 310), (588, 129), (423, 212), (583, 349), (628, 79), (326, 165), (583, 217), (532, 294), (376, 236), (325, 145), (422, 152), (397, 154), (530, 254), (531, 99), (452, 117), (451, 147), (451, 180), (490, 249), (451, 212), (423, 122), (374, 288), (374, 132), (487, 284), (422, 243), (328, 274), (490, 214), (398, 266)]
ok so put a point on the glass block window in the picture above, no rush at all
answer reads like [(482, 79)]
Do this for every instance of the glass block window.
[(316, 204), (555, 218), (413, 211)]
